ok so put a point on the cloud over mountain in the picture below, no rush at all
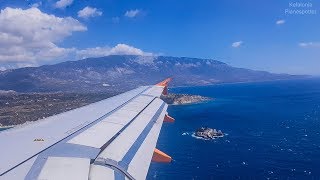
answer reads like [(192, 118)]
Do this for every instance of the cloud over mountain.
[(119, 49), (28, 36)]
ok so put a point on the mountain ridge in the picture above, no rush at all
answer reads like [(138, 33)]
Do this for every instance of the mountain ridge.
[(118, 73)]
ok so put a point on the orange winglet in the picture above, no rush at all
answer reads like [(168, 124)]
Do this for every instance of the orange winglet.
[(159, 156), (168, 118), (165, 82)]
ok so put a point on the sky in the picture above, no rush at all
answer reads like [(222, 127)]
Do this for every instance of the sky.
[(272, 35)]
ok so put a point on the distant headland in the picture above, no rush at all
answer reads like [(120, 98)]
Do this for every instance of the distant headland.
[(180, 99)]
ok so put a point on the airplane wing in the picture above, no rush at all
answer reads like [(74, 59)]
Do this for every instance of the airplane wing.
[(111, 139)]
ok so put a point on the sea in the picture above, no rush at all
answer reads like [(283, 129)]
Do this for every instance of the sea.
[(272, 132)]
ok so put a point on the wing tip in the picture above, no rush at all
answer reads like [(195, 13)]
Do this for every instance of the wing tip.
[(164, 82)]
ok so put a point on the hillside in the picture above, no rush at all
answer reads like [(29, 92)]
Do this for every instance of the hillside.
[(119, 73)]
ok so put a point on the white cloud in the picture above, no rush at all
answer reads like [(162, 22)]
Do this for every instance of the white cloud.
[(281, 21), (63, 3), (36, 5), (123, 49), (309, 44), (30, 37), (132, 13), (237, 44), (119, 49), (89, 12)]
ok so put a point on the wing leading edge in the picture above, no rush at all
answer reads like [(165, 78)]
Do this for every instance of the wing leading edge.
[(111, 139)]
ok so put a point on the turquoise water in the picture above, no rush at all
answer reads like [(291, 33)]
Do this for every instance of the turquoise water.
[(273, 132)]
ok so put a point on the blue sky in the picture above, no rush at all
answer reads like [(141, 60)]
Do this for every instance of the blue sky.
[(251, 34)]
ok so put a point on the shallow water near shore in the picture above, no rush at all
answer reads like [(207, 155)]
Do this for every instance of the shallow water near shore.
[(273, 132)]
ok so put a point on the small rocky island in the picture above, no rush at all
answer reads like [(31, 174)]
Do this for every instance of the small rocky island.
[(179, 99), (208, 133)]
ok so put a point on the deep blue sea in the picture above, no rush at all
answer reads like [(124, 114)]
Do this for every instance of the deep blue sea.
[(273, 133)]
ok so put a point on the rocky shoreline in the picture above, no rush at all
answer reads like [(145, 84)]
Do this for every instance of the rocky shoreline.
[(180, 99)]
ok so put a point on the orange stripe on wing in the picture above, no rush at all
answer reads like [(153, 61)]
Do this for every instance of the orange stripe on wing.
[(168, 118)]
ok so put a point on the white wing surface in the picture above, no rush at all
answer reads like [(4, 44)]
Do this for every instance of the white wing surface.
[(111, 139)]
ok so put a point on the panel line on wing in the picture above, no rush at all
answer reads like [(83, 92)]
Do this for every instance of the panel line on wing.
[(116, 135)]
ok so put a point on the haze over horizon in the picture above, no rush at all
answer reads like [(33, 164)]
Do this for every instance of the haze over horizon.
[(256, 35)]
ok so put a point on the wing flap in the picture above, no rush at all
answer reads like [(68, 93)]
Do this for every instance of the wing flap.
[(97, 135), (98, 172), (65, 168), (122, 144)]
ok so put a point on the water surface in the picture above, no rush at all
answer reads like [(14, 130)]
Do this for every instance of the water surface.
[(273, 132)]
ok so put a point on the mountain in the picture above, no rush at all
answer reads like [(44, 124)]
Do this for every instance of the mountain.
[(119, 73)]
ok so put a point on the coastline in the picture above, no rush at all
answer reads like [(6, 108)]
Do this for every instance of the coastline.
[(193, 103), (244, 82), (184, 99)]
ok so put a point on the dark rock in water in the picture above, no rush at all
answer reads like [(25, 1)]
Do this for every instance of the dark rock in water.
[(208, 133)]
